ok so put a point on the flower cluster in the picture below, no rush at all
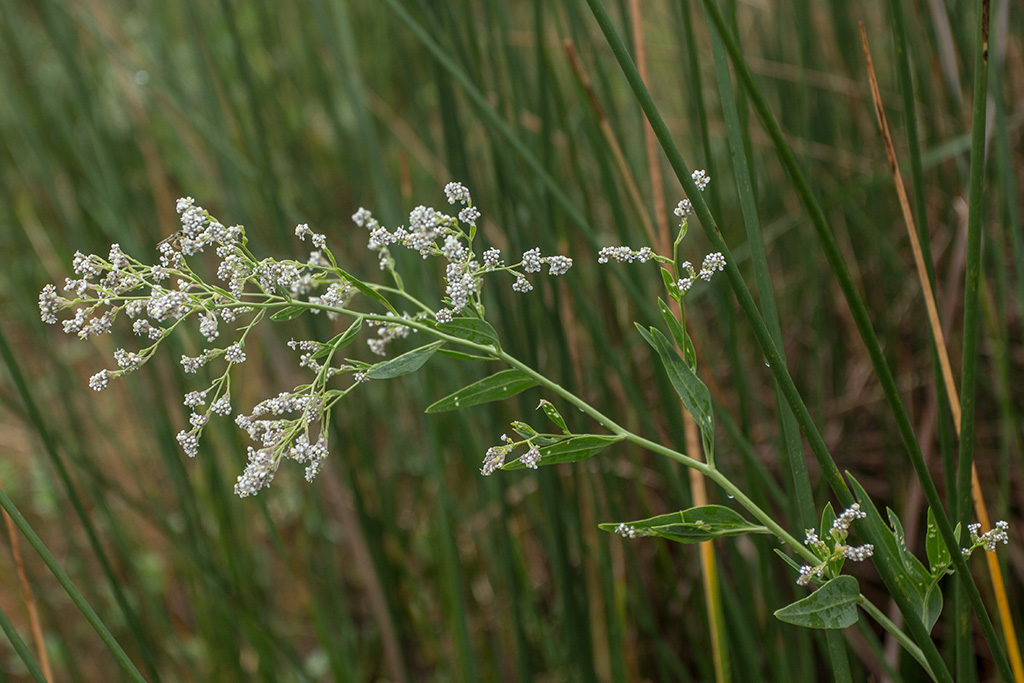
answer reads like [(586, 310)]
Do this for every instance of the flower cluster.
[(158, 298), (713, 262), (834, 548), (494, 459), (630, 531), (121, 285), (625, 254), (433, 233), (685, 208), (989, 539), (293, 425)]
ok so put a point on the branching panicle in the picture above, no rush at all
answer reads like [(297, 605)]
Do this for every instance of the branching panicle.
[(160, 297)]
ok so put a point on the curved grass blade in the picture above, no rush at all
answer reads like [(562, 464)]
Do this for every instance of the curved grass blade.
[(76, 597)]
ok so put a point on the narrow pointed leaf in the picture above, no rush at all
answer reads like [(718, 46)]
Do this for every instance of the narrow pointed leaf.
[(834, 605), (915, 582), (410, 361), (645, 333), (497, 387), (670, 283), (828, 516), (694, 525), (462, 355), (471, 329), (553, 415), (691, 390), (675, 327), (288, 312), (524, 430), (571, 449), (935, 547), (367, 290), (342, 340), (789, 560)]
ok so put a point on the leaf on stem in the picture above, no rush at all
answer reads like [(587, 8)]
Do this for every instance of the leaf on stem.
[(462, 355), (691, 390), (834, 605), (553, 415), (497, 387), (408, 362), (915, 582), (288, 312), (472, 330), (342, 340), (938, 554), (571, 449), (678, 332), (367, 290), (694, 525)]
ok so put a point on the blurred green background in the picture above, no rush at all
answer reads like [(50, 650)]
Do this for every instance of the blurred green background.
[(400, 562)]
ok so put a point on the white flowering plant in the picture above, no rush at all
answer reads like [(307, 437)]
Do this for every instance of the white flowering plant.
[(294, 425)]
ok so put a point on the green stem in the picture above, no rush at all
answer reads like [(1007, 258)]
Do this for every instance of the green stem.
[(76, 596), (715, 475), (901, 637)]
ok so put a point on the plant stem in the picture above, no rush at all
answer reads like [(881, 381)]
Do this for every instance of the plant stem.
[(715, 475), (885, 622)]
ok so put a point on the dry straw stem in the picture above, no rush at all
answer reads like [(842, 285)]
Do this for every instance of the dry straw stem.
[(613, 144), (998, 586), (662, 241), (698, 487), (30, 601)]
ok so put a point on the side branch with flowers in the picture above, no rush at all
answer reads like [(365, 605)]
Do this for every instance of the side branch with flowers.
[(294, 425)]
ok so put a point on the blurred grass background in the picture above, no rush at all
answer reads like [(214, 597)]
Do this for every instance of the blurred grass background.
[(400, 562)]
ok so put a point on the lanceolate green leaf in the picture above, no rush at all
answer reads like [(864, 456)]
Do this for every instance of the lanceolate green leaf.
[(471, 329), (461, 355), (342, 340), (289, 312), (694, 525), (404, 364), (571, 449), (828, 516), (367, 290), (915, 582), (938, 554), (834, 605), (553, 415), (691, 390), (675, 327), (497, 387)]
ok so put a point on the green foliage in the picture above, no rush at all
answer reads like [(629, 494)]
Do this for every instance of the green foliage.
[(407, 363), (400, 562), (497, 387), (695, 525), (570, 449), (833, 605)]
